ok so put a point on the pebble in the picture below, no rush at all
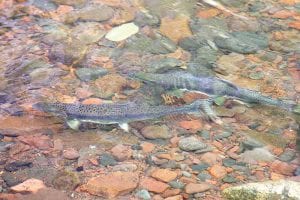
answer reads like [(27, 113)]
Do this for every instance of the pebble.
[(191, 144), (71, 154), (126, 167), (153, 185), (200, 167), (121, 152), (106, 159), (176, 184), (192, 188), (229, 179), (15, 166), (224, 134), (203, 176), (229, 162), (156, 132), (143, 194), (217, 171), (122, 32), (30, 185), (112, 184), (164, 175), (90, 74), (287, 156)]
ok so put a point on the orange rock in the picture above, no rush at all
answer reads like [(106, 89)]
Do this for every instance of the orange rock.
[(192, 188), (278, 35), (211, 158), (147, 147), (112, 184), (96, 101), (187, 180), (83, 93), (30, 185), (66, 99), (284, 14), (121, 152), (289, 2), (170, 192), (218, 171), (297, 87), (164, 156), (177, 197), (224, 186), (39, 141), (176, 28), (277, 151), (70, 153), (209, 13), (260, 175), (153, 185), (276, 177), (283, 168), (174, 141), (193, 125), (164, 175), (295, 25)]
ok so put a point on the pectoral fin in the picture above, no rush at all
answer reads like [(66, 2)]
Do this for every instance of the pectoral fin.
[(73, 124), (124, 126)]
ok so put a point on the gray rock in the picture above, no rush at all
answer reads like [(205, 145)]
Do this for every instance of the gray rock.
[(96, 13), (287, 156), (256, 6), (203, 176), (234, 3), (204, 134), (200, 167), (90, 74), (256, 155), (281, 189), (191, 144), (297, 172), (5, 146), (46, 5), (242, 42), (222, 135), (106, 159), (163, 65), (229, 179), (229, 162), (176, 184), (192, 43), (145, 18), (126, 167), (250, 144), (156, 132), (45, 76), (143, 194), (206, 56), (70, 2), (186, 174)]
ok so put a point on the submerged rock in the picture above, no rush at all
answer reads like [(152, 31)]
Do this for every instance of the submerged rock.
[(90, 74), (242, 42), (70, 2), (282, 189), (122, 32), (257, 155), (191, 144)]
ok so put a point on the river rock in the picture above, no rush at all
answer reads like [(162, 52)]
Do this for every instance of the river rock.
[(122, 32), (70, 2), (156, 132), (88, 32), (191, 144), (282, 189), (257, 155), (90, 74)]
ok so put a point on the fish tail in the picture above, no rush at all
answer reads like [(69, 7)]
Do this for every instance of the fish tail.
[(256, 97)]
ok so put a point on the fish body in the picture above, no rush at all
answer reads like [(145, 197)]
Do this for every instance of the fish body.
[(211, 86), (114, 113)]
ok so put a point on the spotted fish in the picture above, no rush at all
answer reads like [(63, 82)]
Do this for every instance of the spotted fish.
[(213, 87), (116, 113)]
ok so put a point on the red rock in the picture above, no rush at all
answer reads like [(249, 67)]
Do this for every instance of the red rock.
[(171, 192), (46, 194), (187, 180), (176, 28), (96, 101), (276, 177), (147, 147), (153, 185), (211, 158), (112, 184), (295, 25), (177, 197), (283, 14), (121, 152), (5, 196), (218, 171), (260, 175), (283, 168), (31, 185), (157, 197), (164, 175), (209, 13), (41, 142), (193, 125), (192, 188), (70, 154)]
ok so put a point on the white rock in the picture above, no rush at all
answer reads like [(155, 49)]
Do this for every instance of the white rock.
[(122, 32), (264, 190)]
